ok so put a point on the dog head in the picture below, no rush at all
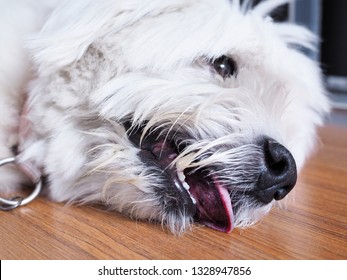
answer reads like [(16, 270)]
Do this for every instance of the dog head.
[(174, 111)]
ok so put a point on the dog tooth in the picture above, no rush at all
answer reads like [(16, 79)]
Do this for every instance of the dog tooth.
[(181, 176), (193, 199), (185, 185)]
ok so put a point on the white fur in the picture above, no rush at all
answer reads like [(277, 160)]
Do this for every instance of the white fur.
[(99, 62)]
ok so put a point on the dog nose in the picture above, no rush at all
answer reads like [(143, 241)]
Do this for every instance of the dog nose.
[(279, 175)]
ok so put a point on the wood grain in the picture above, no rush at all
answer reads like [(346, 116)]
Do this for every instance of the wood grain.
[(313, 225)]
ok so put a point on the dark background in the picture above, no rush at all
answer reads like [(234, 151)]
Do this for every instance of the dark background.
[(328, 19), (334, 37)]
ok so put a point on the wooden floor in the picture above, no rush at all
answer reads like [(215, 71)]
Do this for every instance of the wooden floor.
[(314, 225)]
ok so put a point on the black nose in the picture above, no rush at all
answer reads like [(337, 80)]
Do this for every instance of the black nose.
[(278, 176)]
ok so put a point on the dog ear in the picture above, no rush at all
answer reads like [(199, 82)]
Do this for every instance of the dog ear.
[(67, 33), (75, 25)]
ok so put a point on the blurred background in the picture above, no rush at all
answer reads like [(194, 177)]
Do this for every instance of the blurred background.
[(327, 19)]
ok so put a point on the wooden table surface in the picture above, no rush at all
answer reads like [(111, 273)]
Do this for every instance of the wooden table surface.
[(313, 225)]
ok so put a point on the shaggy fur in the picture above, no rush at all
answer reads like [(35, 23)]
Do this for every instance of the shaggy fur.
[(123, 97)]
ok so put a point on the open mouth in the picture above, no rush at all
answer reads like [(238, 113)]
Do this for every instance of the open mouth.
[(202, 195)]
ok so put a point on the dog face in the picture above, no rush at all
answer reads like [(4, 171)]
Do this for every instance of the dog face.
[(173, 111)]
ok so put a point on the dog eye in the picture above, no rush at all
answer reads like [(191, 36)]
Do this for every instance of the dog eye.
[(225, 66)]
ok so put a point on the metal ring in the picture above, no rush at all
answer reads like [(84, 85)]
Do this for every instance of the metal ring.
[(6, 207), (15, 202)]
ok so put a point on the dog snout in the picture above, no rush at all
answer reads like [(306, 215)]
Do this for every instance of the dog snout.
[(278, 175)]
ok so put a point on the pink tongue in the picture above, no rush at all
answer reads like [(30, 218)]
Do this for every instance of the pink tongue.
[(212, 202), (223, 218), (229, 215)]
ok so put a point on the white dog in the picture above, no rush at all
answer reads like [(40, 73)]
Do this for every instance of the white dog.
[(172, 111)]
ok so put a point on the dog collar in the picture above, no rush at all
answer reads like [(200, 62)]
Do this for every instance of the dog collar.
[(33, 174), (25, 166)]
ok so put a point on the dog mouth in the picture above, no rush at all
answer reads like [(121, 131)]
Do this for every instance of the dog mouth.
[(212, 200), (198, 193)]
